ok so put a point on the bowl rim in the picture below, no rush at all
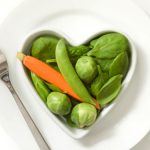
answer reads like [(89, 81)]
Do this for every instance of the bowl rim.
[(26, 43)]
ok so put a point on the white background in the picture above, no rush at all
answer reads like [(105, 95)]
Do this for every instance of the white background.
[(6, 142)]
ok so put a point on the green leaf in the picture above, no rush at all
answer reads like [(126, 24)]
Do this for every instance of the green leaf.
[(44, 47), (54, 65), (40, 87), (53, 87), (51, 61), (75, 52), (120, 65), (92, 43), (74, 101), (109, 46), (109, 90), (98, 82), (104, 63)]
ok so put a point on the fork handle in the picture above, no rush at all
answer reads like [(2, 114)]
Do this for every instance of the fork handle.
[(35, 131)]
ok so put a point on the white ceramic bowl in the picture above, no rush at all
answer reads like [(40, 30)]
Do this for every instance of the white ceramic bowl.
[(75, 133)]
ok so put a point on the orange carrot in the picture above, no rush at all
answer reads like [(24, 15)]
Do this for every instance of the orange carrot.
[(49, 74)]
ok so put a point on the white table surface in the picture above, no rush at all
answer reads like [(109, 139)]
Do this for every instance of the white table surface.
[(8, 138)]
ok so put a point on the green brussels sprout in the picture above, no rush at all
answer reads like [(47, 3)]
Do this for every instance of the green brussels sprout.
[(83, 115), (86, 68), (59, 103)]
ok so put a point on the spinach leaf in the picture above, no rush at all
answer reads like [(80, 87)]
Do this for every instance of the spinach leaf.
[(120, 65), (92, 43), (55, 66), (109, 46), (40, 87), (75, 52), (53, 87), (109, 90), (51, 61), (98, 82), (74, 101), (44, 47), (104, 63)]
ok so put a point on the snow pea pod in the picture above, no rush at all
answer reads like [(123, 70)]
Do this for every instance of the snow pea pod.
[(69, 73)]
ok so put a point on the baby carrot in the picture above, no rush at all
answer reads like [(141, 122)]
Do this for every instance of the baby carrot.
[(49, 74)]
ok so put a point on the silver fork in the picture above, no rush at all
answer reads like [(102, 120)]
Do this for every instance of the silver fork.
[(4, 76)]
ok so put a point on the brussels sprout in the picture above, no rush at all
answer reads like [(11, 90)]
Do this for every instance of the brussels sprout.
[(83, 115), (86, 68), (59, 103)]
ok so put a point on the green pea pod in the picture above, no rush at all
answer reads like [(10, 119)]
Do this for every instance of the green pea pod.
[(53, 87), (109, 46), (69, 73), (40, 87), (120, 65), (109, 90), (44, 47), (104, 63)]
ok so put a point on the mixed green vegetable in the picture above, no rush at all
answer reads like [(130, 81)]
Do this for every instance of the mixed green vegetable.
[(94, 71)]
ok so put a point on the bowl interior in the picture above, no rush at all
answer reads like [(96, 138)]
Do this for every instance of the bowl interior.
[(75, 133)]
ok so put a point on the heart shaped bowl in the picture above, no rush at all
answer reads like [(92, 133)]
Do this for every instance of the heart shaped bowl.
[(73, 132)]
